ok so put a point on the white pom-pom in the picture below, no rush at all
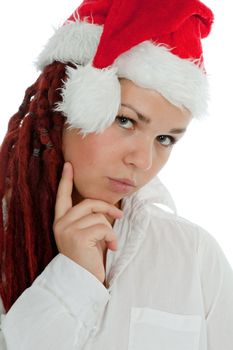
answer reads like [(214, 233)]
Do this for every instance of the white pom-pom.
[(90, 98)]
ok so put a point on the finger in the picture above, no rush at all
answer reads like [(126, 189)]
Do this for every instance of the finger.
[(90, 220), (93, 206), (92, 235), (112, 245), (64, 192)]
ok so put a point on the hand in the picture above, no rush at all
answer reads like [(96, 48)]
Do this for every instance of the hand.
[(80, 229)]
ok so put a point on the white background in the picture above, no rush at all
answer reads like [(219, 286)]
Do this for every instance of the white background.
[(199, 174)]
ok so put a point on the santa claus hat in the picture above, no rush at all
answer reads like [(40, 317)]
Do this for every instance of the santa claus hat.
[(154, 43)]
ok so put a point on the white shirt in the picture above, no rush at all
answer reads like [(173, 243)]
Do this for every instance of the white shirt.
[(169, 287)]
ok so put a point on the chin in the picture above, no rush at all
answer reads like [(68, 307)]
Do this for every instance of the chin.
[(108, 198), (102, 195)]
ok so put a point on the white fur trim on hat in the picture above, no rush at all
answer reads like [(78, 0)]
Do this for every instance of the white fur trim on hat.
[(90, 98), (179, 80), (75, 42)]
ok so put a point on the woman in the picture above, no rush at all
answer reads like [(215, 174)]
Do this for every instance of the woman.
[(88, 261)]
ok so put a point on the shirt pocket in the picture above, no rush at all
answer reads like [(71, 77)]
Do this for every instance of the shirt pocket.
[(152, 329)]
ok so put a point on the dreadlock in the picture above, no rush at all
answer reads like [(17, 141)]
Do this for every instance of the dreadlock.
[(31, 164)]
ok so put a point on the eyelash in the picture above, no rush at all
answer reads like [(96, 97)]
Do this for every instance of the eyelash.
[(172, 139)]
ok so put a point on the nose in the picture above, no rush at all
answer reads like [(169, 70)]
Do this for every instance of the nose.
[(141, 153)]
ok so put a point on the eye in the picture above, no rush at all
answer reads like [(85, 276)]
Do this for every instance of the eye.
[(167, 141), (125, 122)]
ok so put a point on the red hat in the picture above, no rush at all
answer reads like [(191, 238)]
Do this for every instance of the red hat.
[(154, 43)]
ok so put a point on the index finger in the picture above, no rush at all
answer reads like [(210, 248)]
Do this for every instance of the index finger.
[(64, 192)]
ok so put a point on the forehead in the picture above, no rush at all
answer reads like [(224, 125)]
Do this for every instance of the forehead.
[(151, 107)]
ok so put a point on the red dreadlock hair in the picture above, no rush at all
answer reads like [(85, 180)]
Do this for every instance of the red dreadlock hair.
[(31, 164)]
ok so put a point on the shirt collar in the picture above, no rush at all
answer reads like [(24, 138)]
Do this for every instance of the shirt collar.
[(153, 192)]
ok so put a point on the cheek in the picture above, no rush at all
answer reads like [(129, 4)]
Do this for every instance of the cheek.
[(163, 157), (90, 153), (86, 157), (160, 159)]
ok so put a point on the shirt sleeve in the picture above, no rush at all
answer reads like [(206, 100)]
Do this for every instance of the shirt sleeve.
[(217, 288), (59, 311)]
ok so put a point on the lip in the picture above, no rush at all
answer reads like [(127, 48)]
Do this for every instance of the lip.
[(125, 181), (120, 186)]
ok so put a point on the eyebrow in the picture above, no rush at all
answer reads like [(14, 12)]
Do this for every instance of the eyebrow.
[(147, 120), (140, 116)]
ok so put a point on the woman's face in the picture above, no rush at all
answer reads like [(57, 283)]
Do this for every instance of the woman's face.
[(130, 148)]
